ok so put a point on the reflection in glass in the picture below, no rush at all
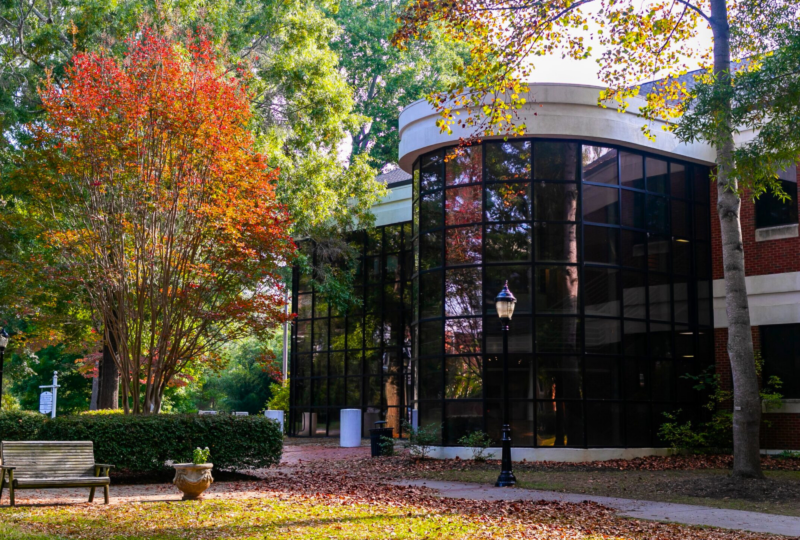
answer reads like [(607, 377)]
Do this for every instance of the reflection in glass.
[(463, 292), (431, 208), (507, 202), (635, 340), (430, 378), (677, 180), (508, 242), (463, 205), (634, 295), (600, 245), (659, 292), (680, 291), (557, 289), (604, 425), (680, 218), (462, 417), (631, 170), (430, 298), (556, 242), (430, 251), (519, 281), (462, 377), (320, 335), (555, 161), (520, 337), (658, 253), (657, 179), (463, 336), (508, 160), (661, 340), (599, 164), (558, 334), (304, 306), (636, 379), (601, 291), (681, 256), (657, 213), (464, 165), (431, 171), (601, 204), (555, 202), (603, 336), (603, 378), (633, 209), (559, 377), (559, 423), (430, 338), (304, 336), (463, 245)]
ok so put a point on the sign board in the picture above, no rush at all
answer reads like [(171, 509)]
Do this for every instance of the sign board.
[(46, 402)]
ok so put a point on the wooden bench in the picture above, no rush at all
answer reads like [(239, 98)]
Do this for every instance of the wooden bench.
[(51, 464)]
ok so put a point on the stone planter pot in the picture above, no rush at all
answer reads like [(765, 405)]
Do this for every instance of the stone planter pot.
[(193, 479)]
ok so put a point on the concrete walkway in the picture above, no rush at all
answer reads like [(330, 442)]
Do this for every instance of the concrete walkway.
[(657, 511)]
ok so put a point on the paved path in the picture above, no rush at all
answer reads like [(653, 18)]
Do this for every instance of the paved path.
[(659, 511)]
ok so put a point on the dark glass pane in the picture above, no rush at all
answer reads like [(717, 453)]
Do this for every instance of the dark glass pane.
[(354, 391), (601, 204), (631, 170), (603, 378), (461, 419), (559, 423), (508, 242), (633, 209), (680, 219), (302, 367), (701, 183), (304, 336), (337, 392), (431, 250), (681, 256), (559, 377), (603, 336), (431, 208), (637, 379), (521, 376), (677, 180), (634, 252), (302, 390), (633, 295), (658, 253), (373, 362), (392, 268), (372, 331), (657, 213), (663, 381), (415, 180), (373, 265), (392, 238), (432, 173), (557, 289), (680, 291), (337, 364), (555, 202), (320, 335), (781, 353), (659, 296), (519, 282), (430, 378), (430, 414), (430, 298), (374, 391), (704, 303), (600, 165), (463, 336), (684, 342), (304, 306), (430, 338), (355, 333), (374, 241), (657, 178), (638, 424), (508, 160), (415, 216), (556, 242), (520, 337), (602, 294), (463, 205), (462, 377), (494, 418), (319, 393), (464, 165), (773, 212), (463, 245), (355, 363), (558, 334), (508, 202), (661, 340), (604, 425), (555, 161), (600, 245), (463, 292), (635, 340), (408, 234), (685, 390)]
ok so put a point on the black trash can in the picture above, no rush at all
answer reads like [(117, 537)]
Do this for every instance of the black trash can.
[(376, 436)]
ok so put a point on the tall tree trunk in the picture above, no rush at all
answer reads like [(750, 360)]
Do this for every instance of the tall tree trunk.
[(108, 384), (746, 399)]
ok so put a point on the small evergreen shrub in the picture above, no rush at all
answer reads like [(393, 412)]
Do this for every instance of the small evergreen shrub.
[(478, 442), (422, 439), (387, 446), (145, 443)]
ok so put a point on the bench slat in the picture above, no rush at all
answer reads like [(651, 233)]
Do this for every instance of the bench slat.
[(62, 482)]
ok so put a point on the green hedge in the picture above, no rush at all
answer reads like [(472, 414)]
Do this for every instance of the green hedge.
[(145, 443)]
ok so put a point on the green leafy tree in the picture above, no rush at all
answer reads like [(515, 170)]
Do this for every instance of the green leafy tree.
[(28, 372)]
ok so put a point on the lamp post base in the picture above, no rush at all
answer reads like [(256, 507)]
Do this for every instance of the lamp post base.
[(506, 478)]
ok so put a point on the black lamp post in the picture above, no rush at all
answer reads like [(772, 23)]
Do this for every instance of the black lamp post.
[(3, 343), (505, 302)]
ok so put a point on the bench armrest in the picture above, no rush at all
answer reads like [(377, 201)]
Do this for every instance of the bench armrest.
[(3, 467)]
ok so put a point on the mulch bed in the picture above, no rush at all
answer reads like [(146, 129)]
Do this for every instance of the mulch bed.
[(766, 490)]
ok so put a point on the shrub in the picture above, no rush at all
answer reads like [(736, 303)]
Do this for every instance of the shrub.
[(387, 446), (422, 439), (479, 442), (146, 443)]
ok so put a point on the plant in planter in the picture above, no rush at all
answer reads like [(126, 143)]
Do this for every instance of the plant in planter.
[(194, 478)]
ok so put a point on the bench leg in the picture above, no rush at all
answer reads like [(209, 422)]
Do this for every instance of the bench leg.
[(2, 483), (91, 495), (105, 493), (11, 487)]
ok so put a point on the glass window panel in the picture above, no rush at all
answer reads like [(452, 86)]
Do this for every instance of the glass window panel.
[(373, 362), (431, 171), (599, 165), (337, 392), (374, 299), (373, 265), (431, 211), (521, 376), (320, 306), (681, 256), (508, 160), (559, 377), (659, 292), (701, 222), (520, 338), (555, 202), (520, 282), (462, 377), (601, 204), (684, 342), (493, 373), (633, 209), (304, 336), (461, 419), (302, 367), (374, 391), (337, 364), (677, 180), (430, 379), (415, 180), (319, 365), (638, 424), (601, 291), (463, 245), (600, 245), (604, 425), (603, 378), (320, 335), (302, 392), (559, 423), (463, 336), (555, 161), (680, 218), (464, 165), (408, 234), (663, 381), (372, 331), (508, 202), (657, 178), (701, 183), (392, 268), (392, 238), (304, 306), (557, 289), (355, 361), (374, 240), (521, 417), (635, 340), (771, 211), (558, 334), (657, 213), (636, 379), (603, 336), (463, 292), (658, 253), (354, 391), (430, 338), (508, 242), (415, 216), (355, 333), (631, 170), (463, 205), (430, 295), (556, 242), (680, 291), (661, 340), (634, 297), (781, 352), (431, 250)]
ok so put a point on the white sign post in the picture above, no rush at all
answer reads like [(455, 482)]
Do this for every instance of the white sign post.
[(47, 400)]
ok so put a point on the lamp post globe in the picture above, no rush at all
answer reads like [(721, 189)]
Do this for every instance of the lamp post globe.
[(3, 343), (505, 303)]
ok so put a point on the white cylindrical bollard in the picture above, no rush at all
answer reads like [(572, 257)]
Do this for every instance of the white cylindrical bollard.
[(275, 415), (350, 432)]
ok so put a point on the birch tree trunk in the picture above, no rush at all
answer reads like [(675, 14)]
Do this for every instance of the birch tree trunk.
[(746, 399)]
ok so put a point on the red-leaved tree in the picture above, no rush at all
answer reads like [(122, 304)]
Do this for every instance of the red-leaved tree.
[(153, 197)]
